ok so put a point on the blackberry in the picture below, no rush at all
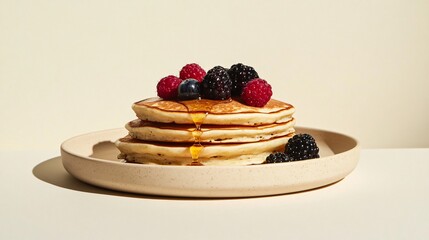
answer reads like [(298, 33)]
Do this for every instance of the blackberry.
[(301, 147), (216, 84), (278, 157), (240, 74)]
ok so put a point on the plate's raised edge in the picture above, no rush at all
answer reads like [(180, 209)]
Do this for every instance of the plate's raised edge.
[(63, 145), (357, 146), (298, 129)]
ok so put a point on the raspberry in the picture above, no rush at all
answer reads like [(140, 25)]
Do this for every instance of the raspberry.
[(167, 87), (256, 93), (278, 157), (240, 74), (192, 70), (216, 84), (301, 147)]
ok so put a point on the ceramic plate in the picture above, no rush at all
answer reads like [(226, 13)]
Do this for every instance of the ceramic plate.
[(92, 158)]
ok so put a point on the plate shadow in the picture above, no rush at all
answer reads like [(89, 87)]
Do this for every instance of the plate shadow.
[(52, 171)]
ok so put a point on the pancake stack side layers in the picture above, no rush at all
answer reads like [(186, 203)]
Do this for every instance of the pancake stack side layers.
[(231, 133)]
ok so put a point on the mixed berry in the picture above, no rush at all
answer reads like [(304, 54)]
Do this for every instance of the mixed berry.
[(168, 87), (193, 71), (240, 74), (278, 157), (189, 89), (256, 92), (239, 81), (217, 84), (300, 147)]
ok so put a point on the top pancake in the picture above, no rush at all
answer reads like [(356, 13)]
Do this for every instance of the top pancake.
[(228, 112)]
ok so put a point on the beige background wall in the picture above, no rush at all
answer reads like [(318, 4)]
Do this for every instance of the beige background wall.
[(71, 67)]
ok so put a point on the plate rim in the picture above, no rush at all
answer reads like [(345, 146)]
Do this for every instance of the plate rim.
[(82, 167)]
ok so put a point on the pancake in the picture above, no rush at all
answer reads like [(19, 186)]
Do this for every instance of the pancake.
[(166, 153), (170, 132), (227, 132), (228, 112)]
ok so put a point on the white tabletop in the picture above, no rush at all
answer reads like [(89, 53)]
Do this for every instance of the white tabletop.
[(385, 197)]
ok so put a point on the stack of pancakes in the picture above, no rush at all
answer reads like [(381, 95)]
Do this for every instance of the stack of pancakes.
[(230, 132)]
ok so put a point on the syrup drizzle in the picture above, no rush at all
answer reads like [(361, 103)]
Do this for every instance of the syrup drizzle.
[(196, 148), (198, 109)]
